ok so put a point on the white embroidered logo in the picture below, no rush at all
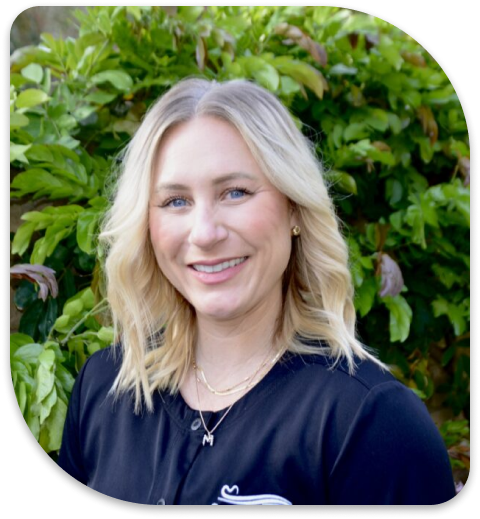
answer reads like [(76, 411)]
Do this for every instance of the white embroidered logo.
[(229, 495)]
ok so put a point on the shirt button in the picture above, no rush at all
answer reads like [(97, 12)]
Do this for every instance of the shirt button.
[(196, 424), (161, 501)]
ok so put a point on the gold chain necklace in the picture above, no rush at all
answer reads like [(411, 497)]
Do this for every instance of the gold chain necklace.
[(236, 388), (208, 436)]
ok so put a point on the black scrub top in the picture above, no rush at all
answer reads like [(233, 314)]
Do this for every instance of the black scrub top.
[(304, 435)]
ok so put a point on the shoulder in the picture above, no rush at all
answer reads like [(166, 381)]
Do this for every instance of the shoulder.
[(107, 361), (369, 393), (103, 364), (98, 374), (363, 378)]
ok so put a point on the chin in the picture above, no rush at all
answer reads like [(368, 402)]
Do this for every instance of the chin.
[(218, 309), (218, 313)]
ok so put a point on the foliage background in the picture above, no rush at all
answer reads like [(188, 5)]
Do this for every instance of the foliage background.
[(387, 123)]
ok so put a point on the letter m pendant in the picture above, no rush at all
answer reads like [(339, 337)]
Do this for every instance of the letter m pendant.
[(207, 438)]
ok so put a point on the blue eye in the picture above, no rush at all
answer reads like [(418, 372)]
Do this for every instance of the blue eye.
[(238, 191), (170, 202)]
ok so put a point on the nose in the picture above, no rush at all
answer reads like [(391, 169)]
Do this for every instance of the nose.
[(206, 228)]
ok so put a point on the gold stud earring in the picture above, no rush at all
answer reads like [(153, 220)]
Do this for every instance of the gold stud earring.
[(296, 230)]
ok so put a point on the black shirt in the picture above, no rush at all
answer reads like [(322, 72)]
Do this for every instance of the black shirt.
[(304, 435)]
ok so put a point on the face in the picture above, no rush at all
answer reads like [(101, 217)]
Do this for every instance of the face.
[(219, 229)]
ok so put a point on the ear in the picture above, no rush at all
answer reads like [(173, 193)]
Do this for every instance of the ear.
[(294, 218)]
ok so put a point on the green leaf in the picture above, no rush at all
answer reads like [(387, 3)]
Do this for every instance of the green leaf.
[(429, 212), (76, 346), (62, 323), (105, 334), (45, 375), (21, 394), (86, 224), (412, 98), (65, 378), (355, 132), (394, 191), (365, 296), (17, 340), (83, 112), (34, 180), (382, 156), (88, 298), (135, 11), (118, 78), (390, 52), (47, 404), (31, 97), (28, 353), (378, 120), (17, 152), (343, 181), (33, 424), (448, 355), (83, 64), (73, 308), (342, 70), (455, 314), (101, 98), (31, 317), (446, 276), (126, 126), (263, 72), (66, 122), (48, 318), (54, 424), (34, 72), (17, 120), (396, 219), (42, 219), (414, 218), (22, 238), (93, 347), (40, 153), (441, 96), (190, 13), (302, 73), (21, 372), (400, 317), (395, 123), (45, 246), (337, 135)]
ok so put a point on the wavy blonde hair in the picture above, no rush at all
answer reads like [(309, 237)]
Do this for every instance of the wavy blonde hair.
[(155, 325)]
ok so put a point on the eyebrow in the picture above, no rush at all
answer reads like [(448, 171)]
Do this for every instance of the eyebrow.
[(217, 181)]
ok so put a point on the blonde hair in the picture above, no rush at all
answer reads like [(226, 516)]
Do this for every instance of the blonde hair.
[(155, 325)]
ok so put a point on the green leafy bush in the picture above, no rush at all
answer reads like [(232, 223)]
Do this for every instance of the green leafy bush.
[(387, 124)]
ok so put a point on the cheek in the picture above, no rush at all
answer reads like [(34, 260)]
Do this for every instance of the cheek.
[(269, 220), (154, 231), (268, 231), (164, 239)]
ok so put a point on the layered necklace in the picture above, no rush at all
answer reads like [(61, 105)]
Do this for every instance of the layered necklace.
[(250, 382)]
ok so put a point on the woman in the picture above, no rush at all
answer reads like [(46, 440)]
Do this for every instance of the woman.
[(238, 378)]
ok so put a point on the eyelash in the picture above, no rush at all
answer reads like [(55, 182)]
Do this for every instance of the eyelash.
[(171, 199)]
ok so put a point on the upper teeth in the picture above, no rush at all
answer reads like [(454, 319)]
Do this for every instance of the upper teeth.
[(220, 266)]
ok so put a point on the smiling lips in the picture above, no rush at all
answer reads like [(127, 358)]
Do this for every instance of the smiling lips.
[(214, 262), (219, 266), (217, 272)]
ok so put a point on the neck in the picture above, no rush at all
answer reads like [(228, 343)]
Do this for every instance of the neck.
[(227, 344)]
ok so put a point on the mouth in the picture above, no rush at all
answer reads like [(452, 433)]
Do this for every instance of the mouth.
[(221, 276), (218, 267)]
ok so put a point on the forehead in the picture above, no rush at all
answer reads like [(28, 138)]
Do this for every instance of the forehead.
[(203, 146)]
